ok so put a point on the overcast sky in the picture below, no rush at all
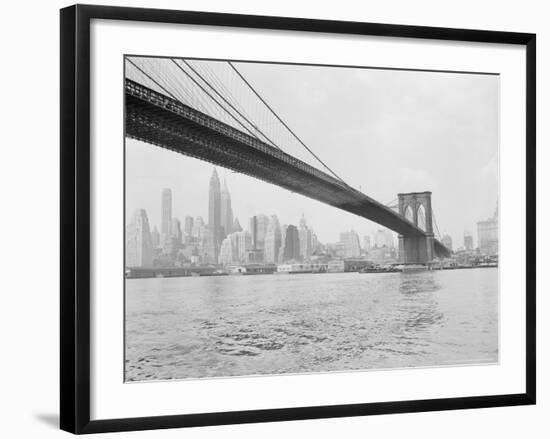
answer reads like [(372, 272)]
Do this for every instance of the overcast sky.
[(382, 131)]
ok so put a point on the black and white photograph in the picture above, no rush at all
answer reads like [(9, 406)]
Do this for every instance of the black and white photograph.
[(295, 219), (279, 219)]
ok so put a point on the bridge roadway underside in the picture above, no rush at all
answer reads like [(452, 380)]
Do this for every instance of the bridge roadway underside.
[(159, 120)]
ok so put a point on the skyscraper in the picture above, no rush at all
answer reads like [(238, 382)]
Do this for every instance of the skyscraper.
[(257, 226), (214, 218), (166, 216), (366, 243), (303, 222), (447, 241), (468, 241), (487, 235), (306, 240), (272, 242), (155, 237), (383, 238), (237, 226), (291, 244), (198, 228), (226, 252), (283, 239), (226, 210), (230, 249), (315, 244), (352, 248), (139, 245), (244, 244), (188, 226), (253, 229), (176, 231)]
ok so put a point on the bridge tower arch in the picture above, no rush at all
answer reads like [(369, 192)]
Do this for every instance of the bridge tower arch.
[(416, 249)]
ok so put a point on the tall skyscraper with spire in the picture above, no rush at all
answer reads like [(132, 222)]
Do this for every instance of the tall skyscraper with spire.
[(214, 218), (306, 240), (237, 226), (166, 216), (226, 210)]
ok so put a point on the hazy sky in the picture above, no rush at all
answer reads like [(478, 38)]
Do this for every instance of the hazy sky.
[(383, 131)]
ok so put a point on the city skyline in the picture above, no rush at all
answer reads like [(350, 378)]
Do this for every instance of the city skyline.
[(225, 206), (189, 219), (265, 240)]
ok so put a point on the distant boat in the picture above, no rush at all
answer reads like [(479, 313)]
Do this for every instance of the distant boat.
[(380, 270), (208, 273), (413, 268), (488, 264), (301, 268)]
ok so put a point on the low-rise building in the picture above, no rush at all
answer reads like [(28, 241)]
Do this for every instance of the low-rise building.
[(336, 266), (302, 268)]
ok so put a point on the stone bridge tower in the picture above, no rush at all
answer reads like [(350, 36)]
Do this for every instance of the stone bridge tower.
[(417, 208)]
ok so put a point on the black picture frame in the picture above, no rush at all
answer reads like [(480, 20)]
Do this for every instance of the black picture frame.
[(75, 217)]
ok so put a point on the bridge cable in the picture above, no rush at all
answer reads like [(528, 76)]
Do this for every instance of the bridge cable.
[(164, 89), (211, 106), (153, 80), (218, 84), (229, 103), (214, 99), (284, 124), (435, 223)]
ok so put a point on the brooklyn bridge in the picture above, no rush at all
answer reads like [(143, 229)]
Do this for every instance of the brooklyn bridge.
[(181, 105)]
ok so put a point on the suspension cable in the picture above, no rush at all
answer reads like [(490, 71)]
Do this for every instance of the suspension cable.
[(214, 99), (153, 80), (229, 103), (282, 122), (435, 223)]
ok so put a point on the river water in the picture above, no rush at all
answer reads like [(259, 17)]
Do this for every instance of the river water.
[(194, 327)]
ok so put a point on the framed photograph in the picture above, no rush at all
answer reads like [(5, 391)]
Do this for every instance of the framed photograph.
[(268, 218)]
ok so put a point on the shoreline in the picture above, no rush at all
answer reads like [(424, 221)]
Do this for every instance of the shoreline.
[(218, 274)]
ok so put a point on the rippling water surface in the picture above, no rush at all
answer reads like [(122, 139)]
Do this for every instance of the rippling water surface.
[(248, 325)]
